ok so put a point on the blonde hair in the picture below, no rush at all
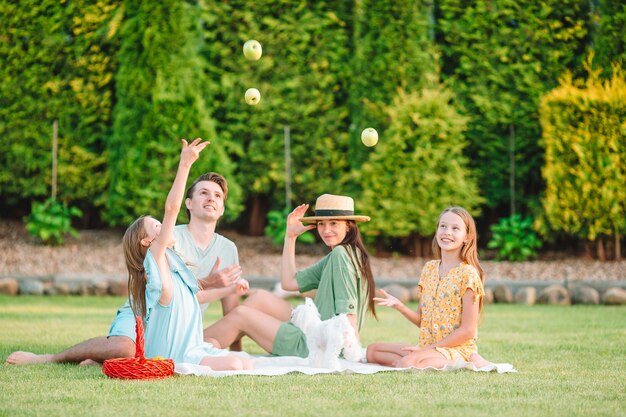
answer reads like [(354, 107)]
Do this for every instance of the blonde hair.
[(469, 251), (134, 255)]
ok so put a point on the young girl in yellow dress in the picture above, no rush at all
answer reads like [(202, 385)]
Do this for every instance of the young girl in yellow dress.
[(450, 305)]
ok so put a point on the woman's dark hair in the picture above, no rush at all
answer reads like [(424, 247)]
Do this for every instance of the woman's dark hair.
[(362, 263)]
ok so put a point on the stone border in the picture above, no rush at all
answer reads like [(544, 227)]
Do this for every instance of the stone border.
[(500, 291)]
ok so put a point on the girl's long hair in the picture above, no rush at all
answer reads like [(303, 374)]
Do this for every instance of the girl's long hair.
[(134, 255), (362, 263), (469, 251)]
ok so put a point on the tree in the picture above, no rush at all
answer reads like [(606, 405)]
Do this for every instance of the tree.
[(501, 57), (419, 168), (58, 63), (609, 41), (585, 146), (392, 51), (302, 77), (161, 97)]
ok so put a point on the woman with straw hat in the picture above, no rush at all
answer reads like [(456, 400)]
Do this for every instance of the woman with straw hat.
[(343, 280)]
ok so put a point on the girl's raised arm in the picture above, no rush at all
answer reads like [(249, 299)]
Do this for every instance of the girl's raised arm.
[(188, 156)]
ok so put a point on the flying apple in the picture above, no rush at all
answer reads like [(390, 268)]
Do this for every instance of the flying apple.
[(369, 137), (252, 50), (253, 96)]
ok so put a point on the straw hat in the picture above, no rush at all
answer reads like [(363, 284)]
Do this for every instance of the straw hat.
[(336, 207)]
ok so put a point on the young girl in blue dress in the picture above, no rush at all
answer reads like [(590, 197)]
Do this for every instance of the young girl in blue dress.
[(163, 289)]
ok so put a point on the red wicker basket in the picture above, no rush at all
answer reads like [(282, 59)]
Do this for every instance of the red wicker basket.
[(138, 367)]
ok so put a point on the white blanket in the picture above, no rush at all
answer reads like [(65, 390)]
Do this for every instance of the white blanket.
[(273, 365)]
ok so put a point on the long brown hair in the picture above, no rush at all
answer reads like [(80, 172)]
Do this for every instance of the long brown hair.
[(354, 240), (134, 255), (469, 251)]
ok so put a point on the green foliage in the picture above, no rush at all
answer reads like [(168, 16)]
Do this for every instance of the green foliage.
[(58, 60), (161, 97), (419, 168), (514, 238), (302, 77), (501, 57), (392, 52), (51, 221), (609, 40), (584, 135), (127, 79), (277, 226)]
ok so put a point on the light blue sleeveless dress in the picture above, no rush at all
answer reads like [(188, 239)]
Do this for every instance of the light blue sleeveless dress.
[(174, 331)]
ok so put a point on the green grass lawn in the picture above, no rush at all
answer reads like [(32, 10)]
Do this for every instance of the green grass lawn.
[(571, 361)]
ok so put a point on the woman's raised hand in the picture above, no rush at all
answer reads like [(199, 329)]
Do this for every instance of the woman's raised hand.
[(191, 151), (294, 222), (387, 300)]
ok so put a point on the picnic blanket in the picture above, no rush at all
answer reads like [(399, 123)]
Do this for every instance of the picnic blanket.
[(275, 365)]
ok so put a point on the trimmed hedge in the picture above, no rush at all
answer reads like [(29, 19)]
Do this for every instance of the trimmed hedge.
[(584, 135)]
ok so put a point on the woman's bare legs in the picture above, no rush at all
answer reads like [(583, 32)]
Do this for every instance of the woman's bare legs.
[(266, 302), (270, 304), (245, 321)]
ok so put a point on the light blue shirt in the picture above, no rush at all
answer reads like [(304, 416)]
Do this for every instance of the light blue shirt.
[(199, 260), (174, 331)]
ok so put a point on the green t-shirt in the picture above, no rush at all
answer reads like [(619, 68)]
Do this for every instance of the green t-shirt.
[(340, 287)]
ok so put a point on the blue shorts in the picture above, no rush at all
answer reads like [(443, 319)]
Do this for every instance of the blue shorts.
[(124, 323)]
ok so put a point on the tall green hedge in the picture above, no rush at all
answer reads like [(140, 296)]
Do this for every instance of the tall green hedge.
[(58, 61), (160, 98), (584, 135), (501, 57), (392, 52), (419, 168), (302, 77), (609, 40), (126, 79)]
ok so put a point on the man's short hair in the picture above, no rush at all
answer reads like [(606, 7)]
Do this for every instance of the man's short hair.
[(209, 176)]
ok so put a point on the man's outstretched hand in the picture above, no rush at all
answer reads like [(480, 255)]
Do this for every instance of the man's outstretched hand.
[(221, 278)]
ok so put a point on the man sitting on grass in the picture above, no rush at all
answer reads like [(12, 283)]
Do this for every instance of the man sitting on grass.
[(202, 249)]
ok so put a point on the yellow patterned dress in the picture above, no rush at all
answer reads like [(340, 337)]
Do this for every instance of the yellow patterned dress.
[(441, 304)]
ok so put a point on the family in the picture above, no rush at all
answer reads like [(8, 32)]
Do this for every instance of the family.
[(174, 271)]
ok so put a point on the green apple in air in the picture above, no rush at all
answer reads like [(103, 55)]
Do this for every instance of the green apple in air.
[(252, 50), (369, 137), (253, 96)]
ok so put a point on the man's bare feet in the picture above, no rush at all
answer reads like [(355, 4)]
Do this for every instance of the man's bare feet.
[(89, 362), (27, 358)]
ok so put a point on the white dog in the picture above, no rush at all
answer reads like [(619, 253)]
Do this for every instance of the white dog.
[(327, 339)]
